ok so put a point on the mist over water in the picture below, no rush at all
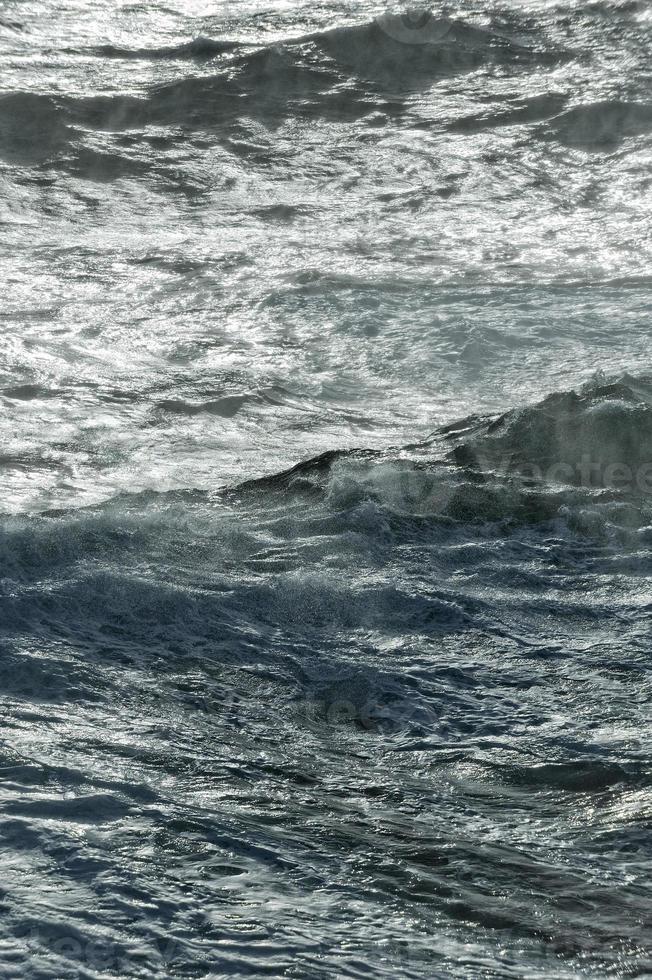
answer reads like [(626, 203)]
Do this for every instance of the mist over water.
[(326, 472)]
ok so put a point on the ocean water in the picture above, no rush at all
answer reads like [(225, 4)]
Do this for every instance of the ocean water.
[(326, 489)]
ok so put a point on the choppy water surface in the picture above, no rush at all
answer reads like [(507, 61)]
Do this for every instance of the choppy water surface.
[(326, 490)]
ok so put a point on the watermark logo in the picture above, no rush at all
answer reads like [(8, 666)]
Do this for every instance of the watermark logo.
[(355, 703), (424, 491), (416, 25), (401, 486)]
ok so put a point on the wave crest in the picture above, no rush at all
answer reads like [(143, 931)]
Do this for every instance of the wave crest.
[(567, 455), (600, 437), (200, 47)]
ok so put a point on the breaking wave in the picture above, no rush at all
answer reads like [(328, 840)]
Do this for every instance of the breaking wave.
[(584, 457)]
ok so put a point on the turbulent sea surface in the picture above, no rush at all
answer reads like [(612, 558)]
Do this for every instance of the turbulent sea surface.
[(326, 471)]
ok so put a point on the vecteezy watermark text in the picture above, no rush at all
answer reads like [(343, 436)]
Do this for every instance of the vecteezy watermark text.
[(585, 472)]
